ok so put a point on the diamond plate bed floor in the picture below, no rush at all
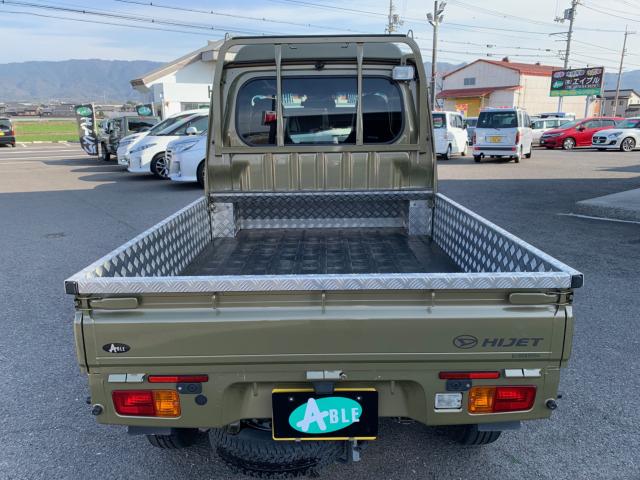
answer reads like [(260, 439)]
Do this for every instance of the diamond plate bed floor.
[(321, 251)]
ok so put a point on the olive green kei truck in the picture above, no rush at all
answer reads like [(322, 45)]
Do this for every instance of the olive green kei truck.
[(321, 282)]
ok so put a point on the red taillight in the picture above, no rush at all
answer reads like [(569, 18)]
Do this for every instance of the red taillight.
[(510, 399), (12, 133), (517, 137), (501, 399), (147, 403), (177, 378), (468, 375), (134, 402)]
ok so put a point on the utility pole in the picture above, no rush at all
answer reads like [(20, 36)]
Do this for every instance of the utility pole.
[(624, 49), (435, 19), (569, 14), (393, 19)]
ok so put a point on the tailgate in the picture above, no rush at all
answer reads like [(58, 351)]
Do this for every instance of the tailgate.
[(346, 327)]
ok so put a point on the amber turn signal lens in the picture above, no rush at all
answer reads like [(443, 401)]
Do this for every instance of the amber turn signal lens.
[(481, 399), (501, 399), (166, 403)]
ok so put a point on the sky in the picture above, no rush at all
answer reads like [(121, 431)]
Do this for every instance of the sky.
[(520, 29)]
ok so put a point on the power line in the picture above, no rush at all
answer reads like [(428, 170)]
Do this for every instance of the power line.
[(98, 22), (233, 15), (128, 17)]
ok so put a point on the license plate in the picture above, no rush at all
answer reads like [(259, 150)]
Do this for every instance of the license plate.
[(345, 414), (495, 139)]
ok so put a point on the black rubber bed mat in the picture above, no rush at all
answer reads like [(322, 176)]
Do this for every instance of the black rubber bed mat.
[(321, 251)]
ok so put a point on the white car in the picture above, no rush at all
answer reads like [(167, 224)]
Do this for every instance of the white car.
[(148, 154), (450, 133), (503, 132), (185, 159), (625, 136), (541, 125), (127, 143)]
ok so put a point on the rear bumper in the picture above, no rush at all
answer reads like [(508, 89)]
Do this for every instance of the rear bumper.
[(555, 142), (408, 390), (488, 150), (7, 140)]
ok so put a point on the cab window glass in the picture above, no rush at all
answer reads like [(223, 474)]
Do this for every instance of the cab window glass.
[(256, 112), (199, 123), (319, 110)]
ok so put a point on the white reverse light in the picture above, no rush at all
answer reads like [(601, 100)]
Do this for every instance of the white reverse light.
[(448, 401)]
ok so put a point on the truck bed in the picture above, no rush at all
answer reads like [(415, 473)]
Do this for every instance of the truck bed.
[(302, 242), (321, 251)]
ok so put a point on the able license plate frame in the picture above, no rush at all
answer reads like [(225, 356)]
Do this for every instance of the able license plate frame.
[(282, 407)]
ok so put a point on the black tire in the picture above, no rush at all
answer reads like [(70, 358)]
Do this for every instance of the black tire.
[(253, 452), (106, 156), (470, 435), (569, 143), (627, 144), (477, 158), (447, 154), (179, 438), (530, 154), (200, 174), (159, 166)]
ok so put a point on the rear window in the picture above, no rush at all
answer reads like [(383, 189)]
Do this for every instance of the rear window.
[(140, 124), (439, 120), (319, 111), (5, 125), (506, 119)]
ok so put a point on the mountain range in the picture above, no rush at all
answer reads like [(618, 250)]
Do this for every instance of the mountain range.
[(107, 81)]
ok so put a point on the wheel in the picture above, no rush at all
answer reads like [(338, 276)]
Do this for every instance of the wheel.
[(470, 435), (477, 158), (253, 452), (447, 154), (159, 166), (106, 156), (464, 152), (518, 156), (200, 174), (628, 144), (601, 149), (179, 438), (530, 154), (569, 144)]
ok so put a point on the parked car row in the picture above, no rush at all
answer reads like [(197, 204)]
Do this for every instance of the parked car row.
[(174, 148)]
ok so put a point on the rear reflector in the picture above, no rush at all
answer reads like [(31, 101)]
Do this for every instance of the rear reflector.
[(501, 399), (177, 378), (147, 403), (468, 375)]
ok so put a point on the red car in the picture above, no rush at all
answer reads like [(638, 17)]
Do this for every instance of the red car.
[(577, 133)]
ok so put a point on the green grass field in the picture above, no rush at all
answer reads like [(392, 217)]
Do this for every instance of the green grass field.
[(46, 130)]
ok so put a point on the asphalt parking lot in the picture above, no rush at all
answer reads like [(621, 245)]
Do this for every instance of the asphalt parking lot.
[(60, 210)]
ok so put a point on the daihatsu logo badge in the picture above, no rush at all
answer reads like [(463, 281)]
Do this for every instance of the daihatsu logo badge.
[(465, 341), (116, 348)]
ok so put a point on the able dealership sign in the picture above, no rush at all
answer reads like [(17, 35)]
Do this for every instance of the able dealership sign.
[(579, 81), (86, 118)]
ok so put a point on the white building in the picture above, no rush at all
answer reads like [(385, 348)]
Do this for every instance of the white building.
[(493, 83), (628, 103), (183, 84)]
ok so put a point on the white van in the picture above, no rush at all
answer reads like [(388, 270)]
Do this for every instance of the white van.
[(503, 132), (450, 134)]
